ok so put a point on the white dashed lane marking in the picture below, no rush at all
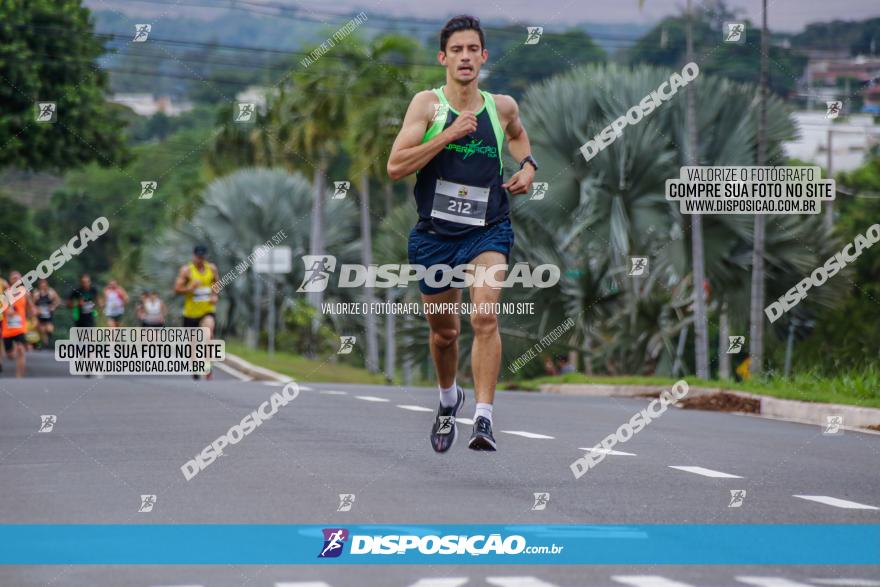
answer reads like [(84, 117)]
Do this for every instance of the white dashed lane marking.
[(648, 581), (414, 408), (607, 451), (333, 392), (518, 582), (440, 582), (838, 503), (770, 582), (847, 582), (464, 421), (303, 584), (371, 398), (705, 472), (527, 434)]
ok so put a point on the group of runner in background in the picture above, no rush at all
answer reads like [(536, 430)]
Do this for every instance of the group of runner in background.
[(29, 322)]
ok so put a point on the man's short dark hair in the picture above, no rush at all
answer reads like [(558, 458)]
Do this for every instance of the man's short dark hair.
[(462, 22)]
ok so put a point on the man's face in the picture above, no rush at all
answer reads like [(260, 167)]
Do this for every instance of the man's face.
[(85, 281), (464, 56), (14, 277), (198, 259)]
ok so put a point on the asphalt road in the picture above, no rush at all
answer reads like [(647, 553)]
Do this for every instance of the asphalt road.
[(115, 439)]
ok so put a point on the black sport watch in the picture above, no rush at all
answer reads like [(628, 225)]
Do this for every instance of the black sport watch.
[(528, 159)]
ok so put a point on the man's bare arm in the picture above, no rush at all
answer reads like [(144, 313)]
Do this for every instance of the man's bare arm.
[(409, 154), (517, 143), (180, 284)]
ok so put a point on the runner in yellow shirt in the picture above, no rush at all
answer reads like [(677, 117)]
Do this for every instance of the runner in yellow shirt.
[(195, 281)]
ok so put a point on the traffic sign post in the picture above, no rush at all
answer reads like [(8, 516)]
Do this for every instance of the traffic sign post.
[(272, 261)]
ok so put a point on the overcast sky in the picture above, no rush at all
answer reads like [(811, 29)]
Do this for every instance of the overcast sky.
[(784, 15)]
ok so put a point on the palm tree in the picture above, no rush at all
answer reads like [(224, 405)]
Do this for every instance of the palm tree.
[(372, 130), (241, 211), (698, 262), (756, 314)]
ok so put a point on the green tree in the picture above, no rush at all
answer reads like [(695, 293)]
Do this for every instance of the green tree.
[(48, 53), (515, 66)]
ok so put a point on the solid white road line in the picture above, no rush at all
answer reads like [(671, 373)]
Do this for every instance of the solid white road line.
[(303, 584), (838, 503), (414, 408), (647, 581), (607, 451), (518, 582), (234, 372), (705, 472), (770, 582), (847, 582), (526, 434), (333, 392), (440, 582), (371, 398)]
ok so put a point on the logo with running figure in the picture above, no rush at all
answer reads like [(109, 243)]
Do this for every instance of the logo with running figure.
[(475, 147), (541, 501), (445, 424), (638, 265), (46, 112), (534, 35), (47, 422), (340, 189), (334, 540), (147, 503), (346, 500), (735, 32), (539, 190), (346, 345), (318, 270), (141, 33), (735, 344)]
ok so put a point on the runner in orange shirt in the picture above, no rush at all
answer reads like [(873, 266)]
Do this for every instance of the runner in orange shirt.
[(14, 324)]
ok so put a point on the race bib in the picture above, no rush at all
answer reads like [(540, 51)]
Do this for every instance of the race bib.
[(14, 321), (88, 306), (202, 294), (464, 204), (45, 312)]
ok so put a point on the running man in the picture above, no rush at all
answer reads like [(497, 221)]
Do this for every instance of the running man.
[(84, 302), (452, 137), (195, 281), (115, 299), (14, 324), (46, 300)]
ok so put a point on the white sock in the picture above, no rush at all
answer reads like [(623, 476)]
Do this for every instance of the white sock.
[(449, 395), (484, 410)]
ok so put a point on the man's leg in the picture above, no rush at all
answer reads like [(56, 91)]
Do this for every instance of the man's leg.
[(443, 338), (19, 358), (486, 350), (207, 321), (443, 342)]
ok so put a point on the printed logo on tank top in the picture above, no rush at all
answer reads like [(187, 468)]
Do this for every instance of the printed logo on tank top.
[(475, 147)]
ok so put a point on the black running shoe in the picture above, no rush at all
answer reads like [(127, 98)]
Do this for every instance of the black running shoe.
[(482, 438), (444, 430)]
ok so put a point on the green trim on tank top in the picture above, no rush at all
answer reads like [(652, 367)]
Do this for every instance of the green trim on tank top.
[(488, 104)]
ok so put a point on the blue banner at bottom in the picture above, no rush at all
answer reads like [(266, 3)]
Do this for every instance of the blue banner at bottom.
[(269, 544)]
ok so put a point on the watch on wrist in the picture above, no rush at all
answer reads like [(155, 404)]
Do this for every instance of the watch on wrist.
[(528, 159)]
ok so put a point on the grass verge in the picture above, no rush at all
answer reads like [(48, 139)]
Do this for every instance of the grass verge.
[(302, 369), (858, 388)]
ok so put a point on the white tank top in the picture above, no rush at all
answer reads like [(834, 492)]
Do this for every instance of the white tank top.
[(114, 305), (153, 311)]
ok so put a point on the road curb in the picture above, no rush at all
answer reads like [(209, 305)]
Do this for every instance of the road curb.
[(770, 407), (258, 373)]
